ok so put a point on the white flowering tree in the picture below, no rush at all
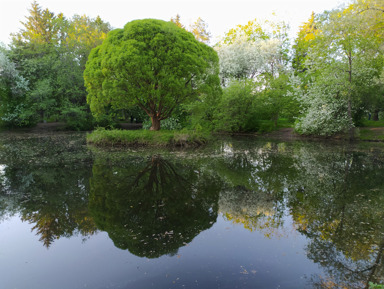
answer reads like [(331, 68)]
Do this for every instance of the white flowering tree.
[(240, 59), (12, 93), (254, 51), (321, 112)]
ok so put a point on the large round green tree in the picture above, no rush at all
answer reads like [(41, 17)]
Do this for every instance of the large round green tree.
[(150, 63)]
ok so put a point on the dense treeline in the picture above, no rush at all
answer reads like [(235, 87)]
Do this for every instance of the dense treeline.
[(42, 72), (327, 80)]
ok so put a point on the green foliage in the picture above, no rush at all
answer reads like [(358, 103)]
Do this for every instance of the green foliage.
[(77, 118), (150, 63), (256, 30), (19, 116), (256, 54), (14, 111), (241, 108), (375, 286), (235, 110), (50, 52), (276, 102)]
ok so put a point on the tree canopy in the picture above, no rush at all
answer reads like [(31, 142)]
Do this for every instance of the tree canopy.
[(150, 63), (50, 53)]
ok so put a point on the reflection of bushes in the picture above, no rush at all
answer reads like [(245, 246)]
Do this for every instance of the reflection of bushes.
[(338, 204), (46, 180), (153, 209)]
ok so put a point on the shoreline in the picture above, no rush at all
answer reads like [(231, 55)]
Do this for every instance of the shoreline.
[(192, 138)]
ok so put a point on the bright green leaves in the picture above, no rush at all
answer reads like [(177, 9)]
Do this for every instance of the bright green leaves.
[(150, 63), (304, 41)]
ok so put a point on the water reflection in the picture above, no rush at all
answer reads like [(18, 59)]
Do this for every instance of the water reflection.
[(153, 207), (45, 181), (257, 179), (335, 197), (339, 204)]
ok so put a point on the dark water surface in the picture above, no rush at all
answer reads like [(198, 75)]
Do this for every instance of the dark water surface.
[(240, 213)]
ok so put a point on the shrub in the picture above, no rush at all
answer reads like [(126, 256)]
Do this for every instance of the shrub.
[(236, 107), (166, 124)]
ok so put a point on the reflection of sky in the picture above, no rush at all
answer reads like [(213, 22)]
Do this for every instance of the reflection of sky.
[(224, 256)]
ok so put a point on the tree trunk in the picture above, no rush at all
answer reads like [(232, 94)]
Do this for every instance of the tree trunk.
[(375, 115), (275, 118), (42, 115), (351, 129), (155, 123)]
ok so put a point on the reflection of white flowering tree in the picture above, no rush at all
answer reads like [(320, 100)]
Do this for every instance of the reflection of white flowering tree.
[(255, 210), (255, 184)]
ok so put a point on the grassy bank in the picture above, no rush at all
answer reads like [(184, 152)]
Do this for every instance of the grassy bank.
[(371, 131), (371, 134), (132, 138)]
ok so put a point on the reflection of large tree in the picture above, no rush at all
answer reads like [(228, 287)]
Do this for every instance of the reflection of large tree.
[(45, 179), (339, 204), (152, 208)]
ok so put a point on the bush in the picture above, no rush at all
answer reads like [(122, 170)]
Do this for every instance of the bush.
[(77, 118), (170, 123), (236, 107), (266, 126)]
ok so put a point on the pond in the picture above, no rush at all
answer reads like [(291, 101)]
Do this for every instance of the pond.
[(239, 213)]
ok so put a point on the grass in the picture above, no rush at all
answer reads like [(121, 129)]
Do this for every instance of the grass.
[(269, 125), (371, 134), (284, 123), (372, 123), (132, 138), (371, 130)]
